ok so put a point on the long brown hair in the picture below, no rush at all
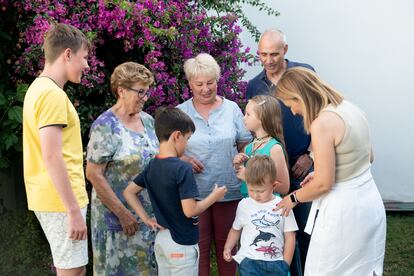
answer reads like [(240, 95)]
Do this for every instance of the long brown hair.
[(267, 109), (303, 85)]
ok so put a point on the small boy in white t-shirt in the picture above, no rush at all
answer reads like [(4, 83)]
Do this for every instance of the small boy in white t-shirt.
[(267, 237)]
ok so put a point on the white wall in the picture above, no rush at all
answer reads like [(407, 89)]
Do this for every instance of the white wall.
[(365, 49)]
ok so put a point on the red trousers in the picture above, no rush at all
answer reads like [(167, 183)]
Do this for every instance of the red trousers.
[(214, 225)]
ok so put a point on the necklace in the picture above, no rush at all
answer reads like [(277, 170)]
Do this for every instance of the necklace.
[(259, 139), (258, 143)]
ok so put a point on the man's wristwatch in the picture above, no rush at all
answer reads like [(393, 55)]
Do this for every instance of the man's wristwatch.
[(293, 197)]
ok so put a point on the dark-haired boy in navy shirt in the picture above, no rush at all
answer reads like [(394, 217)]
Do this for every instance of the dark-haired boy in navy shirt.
[(172, 190)]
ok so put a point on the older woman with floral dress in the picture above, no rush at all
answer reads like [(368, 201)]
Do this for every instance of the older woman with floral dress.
[(219, 134), (122, 141)]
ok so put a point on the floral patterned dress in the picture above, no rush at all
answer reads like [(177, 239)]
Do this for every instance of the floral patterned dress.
[(126, 154)]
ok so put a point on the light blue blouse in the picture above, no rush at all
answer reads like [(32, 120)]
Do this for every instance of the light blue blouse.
[(214, 144)]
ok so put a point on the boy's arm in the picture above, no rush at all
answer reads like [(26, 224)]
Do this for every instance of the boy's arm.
[(51, 147), (289, 247), (130, 195), (192, 207), (232, 239)]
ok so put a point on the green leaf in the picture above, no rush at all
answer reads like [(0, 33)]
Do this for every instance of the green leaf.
[(5, 36), (91, 35), (18, 146), (4, 162), (3, 99), (16, 113), (10, 140), (21, 91)]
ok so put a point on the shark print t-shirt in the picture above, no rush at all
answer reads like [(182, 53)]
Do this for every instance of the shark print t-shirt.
[(263, 230)]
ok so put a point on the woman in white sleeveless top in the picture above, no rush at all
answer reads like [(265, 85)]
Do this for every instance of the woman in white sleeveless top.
[(347, 220)]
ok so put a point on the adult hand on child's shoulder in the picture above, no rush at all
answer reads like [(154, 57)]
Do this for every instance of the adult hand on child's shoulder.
[(286, 205)]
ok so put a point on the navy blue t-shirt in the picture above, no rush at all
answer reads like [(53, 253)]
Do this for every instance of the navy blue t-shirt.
[(168, 181), (296, 139)]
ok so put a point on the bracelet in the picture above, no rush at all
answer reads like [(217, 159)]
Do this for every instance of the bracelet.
[(293, 197), (297, 200), (310, 154)]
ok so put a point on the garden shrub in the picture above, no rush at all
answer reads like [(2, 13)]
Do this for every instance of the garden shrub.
[(158, 34)]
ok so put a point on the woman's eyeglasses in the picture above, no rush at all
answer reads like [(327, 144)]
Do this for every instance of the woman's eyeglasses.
[(141, 92)]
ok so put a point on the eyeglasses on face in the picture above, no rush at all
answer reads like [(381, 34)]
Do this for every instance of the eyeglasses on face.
[(141, 92)]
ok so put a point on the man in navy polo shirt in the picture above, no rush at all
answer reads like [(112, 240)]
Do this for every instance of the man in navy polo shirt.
[(272, 49)]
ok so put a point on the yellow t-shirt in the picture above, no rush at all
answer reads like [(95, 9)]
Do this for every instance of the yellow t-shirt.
[(46, 104)]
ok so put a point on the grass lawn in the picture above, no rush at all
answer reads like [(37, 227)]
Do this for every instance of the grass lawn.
[(24, 250), (399, 252)]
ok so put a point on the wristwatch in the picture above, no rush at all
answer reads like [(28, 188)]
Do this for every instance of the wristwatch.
[(293, 197)]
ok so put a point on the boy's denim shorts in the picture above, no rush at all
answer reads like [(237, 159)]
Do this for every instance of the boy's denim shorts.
[(263, 268)]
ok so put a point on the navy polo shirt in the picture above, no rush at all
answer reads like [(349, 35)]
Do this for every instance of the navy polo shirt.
[(168, 181), (296, 139)]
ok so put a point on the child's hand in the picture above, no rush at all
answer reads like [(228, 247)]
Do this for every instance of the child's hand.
[(152, 222), (239, 159), (240, 173), (219, 192), (227, 254)]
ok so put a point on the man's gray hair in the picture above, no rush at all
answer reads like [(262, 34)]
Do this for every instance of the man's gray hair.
[(274, 32)]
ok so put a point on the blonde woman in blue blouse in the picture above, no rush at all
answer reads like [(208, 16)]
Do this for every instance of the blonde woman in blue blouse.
[(219, 135)]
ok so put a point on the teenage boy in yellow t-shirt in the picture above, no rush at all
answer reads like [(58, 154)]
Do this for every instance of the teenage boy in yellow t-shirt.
[(52, 150)]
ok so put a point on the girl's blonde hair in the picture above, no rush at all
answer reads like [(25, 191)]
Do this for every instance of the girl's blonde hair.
[(303, 85), (268, 111)]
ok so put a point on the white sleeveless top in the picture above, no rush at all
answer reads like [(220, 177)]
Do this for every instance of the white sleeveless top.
[(348, 233), (353, 152)]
